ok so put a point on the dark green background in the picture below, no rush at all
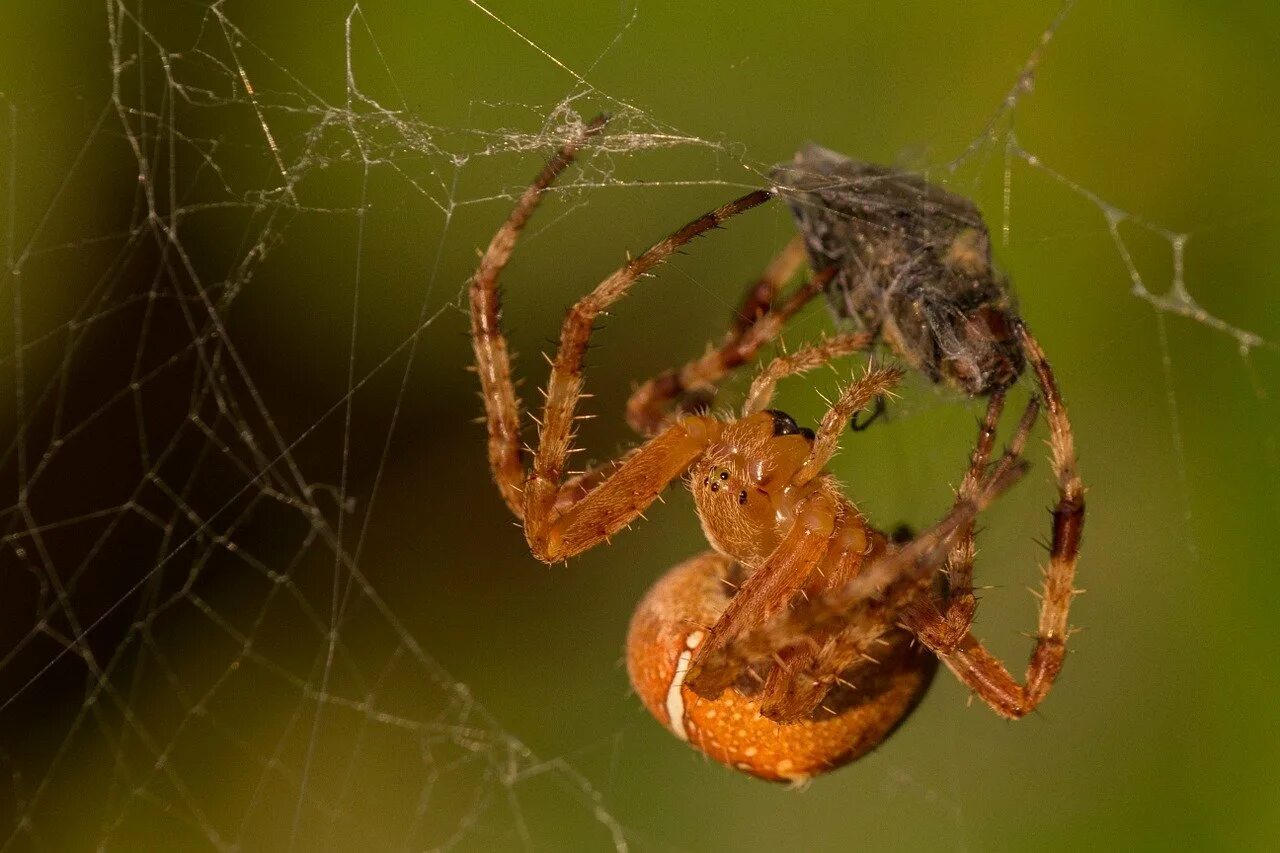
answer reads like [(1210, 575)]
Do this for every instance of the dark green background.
[(1162, 730)]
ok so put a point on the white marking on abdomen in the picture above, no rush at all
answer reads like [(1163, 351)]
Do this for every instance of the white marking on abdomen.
[(675, 699)]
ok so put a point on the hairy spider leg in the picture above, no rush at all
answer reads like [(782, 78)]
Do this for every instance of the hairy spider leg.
[(760, 395), (758, 321), (961, 604), (984, 673), (873, 384), (560, 523), (556, 533), (759, 297), (493, 360), (803, 674)]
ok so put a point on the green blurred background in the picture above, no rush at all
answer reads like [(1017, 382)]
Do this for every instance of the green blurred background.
[(432, 685)]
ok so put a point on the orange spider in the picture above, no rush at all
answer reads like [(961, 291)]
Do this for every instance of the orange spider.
[(806, 636)]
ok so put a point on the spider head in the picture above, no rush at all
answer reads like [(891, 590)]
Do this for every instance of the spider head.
[(741, 485)]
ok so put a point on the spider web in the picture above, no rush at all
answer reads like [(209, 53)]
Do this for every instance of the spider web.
[(240, 609)]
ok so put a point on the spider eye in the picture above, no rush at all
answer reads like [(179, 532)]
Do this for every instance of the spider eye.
[(724, 475), (783, 424), (742, 497)]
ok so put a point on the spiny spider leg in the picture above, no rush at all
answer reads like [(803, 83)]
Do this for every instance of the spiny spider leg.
[(793, 689), (758, 398), (961, 604), (758, 322), (768, 589), (560, 523), (807, 358), (966, 657), (759, 297), (555, 534), (874, 383), (493, 361)]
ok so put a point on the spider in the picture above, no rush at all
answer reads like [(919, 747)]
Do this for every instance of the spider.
[(805, 636)]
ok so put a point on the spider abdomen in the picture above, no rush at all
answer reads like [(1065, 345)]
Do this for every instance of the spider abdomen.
[(666, 631)]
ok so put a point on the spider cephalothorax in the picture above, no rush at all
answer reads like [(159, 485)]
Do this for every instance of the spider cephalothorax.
[(805, 636), (742, 484)]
